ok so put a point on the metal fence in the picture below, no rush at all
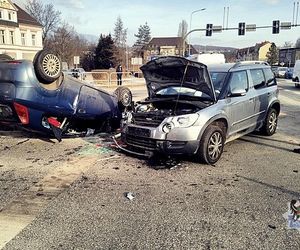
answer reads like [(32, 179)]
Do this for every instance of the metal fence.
[(107, 79)]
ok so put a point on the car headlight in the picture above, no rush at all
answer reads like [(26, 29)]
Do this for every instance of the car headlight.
[(167, 127), (185, 121)]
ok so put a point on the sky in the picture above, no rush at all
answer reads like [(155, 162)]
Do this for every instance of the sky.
[(163, 16)]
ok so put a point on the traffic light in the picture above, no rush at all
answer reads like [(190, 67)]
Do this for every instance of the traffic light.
[(209, 29), (242, 27), (276, 27)]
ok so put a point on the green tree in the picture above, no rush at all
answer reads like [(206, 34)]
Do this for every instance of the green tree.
[(272, 55), (143, 36), (104, 53)]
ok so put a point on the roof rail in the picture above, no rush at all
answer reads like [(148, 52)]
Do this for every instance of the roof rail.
[(247, 63)]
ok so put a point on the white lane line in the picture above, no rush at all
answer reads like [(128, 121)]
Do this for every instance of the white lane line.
[(25, 208)]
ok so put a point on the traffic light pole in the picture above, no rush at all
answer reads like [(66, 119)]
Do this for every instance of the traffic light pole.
[(237, 28), (184, 38)]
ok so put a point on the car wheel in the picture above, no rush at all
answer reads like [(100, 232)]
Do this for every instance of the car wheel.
[(4, 57), (270, 125), (124, 96), (47, 66), (211, 144)]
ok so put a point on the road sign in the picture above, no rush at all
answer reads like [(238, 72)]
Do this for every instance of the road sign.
[(276, 26), (217, 29), (286, 25), (241, 29), (251, 27), (76, 60), (209, 27)]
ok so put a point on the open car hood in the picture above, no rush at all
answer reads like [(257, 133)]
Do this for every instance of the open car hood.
[(172, 71)]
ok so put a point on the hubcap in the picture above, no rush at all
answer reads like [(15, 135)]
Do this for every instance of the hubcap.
[(215, 145), (51, 65), (272, 122)]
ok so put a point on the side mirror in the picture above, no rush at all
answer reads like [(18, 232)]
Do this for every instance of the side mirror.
[(237, 92)]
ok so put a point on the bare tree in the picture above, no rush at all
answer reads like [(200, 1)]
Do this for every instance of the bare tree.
[(120, 33), (182, 29), (45, 14), (120, 41), (67, 43)]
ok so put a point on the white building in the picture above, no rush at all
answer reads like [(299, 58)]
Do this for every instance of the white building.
[(20, 34)]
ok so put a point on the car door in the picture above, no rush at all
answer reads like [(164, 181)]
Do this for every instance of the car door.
[(261, 94), (240, 108)]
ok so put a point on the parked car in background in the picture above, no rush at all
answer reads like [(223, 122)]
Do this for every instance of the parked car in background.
[(281, 72), (289, 73), (296, 74), (38, 96), (78, 73), (194, 110), (275, 70)]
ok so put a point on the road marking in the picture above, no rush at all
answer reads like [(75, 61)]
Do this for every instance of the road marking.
[(25, 208)]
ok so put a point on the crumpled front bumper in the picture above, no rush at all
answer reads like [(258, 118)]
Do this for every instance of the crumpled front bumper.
[(147, 147)]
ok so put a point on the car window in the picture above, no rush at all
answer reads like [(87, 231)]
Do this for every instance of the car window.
[(218, 79), (258, 78), (238, 81), (270, 77)]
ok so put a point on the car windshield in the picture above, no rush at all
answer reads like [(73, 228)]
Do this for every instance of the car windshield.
[(218, 79), (183, 91)]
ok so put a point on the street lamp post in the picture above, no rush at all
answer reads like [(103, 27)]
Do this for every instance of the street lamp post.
[(195, 11)]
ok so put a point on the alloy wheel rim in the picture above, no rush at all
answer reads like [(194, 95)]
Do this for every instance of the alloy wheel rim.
[(51, 65), (215, 145), (272, 122)]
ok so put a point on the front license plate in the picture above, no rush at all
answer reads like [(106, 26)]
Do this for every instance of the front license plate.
[(142, 132)]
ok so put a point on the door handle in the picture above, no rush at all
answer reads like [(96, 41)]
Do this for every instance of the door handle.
[(252, 99)]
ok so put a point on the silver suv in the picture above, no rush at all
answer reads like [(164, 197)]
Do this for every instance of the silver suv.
[(195, 110)]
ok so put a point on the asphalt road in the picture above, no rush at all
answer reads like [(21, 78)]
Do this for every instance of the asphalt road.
[(70, 195)]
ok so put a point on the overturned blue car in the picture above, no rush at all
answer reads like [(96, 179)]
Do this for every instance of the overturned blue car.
[(39, 97)]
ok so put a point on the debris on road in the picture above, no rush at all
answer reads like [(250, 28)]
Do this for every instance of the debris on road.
[(90, 132), (129, 195), (297, 150), (160, 162)]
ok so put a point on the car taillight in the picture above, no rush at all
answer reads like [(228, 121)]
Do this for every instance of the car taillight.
[(22, 113), (54, 122)]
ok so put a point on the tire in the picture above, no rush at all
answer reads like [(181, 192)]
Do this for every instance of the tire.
[(211, 145), (47, 66), (270, 124), (124, 96), (4, 57)]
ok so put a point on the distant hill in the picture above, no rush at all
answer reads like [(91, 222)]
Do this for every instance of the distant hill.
[(90, 38), (209, 48)]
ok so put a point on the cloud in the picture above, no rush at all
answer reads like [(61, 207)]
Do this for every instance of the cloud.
[(72, 4)]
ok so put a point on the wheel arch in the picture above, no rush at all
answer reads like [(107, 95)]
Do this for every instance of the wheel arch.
[(218, 120), (275, 105)]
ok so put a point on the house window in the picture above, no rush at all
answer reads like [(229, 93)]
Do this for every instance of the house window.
[(33, 38), (23, 40), (0, 14), (11, 37), (9, 15), (2, 37)]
